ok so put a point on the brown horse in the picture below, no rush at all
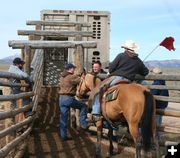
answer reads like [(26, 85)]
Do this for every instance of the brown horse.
[(135, 103)]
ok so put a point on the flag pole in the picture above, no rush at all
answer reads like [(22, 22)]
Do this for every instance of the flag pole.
[(150, 53)]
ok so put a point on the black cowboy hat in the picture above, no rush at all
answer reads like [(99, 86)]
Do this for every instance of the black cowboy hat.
[(18, 61)]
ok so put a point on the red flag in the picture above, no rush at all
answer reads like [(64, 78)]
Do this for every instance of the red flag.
[(168, 43)]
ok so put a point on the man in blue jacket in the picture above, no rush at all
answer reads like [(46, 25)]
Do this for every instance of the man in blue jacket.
[(160, 92)]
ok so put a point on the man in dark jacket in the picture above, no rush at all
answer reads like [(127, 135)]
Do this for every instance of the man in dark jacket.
[(127, 64), (124, 67), (68, 84), (160, 92)]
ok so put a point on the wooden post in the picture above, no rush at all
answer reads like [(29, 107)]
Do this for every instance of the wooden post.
[(27, 59), (20, 116), (31, 53), (19, 103), (78, 60), (38, 27), (78, 55), (22, 54)]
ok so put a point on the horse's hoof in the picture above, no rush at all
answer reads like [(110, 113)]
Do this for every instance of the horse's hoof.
[(96, 156), (108, 155), (116, 151)]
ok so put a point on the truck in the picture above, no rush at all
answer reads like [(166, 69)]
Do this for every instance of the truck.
[(100, 26)]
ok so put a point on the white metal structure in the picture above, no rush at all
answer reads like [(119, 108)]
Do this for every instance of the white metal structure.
[(100, 26)]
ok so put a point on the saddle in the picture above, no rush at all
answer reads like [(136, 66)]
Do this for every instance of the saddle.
[(109, 95), (101, 88), (112, 92)]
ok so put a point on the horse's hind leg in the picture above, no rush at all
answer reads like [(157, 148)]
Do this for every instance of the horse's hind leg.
[(110, 134), (99, 137), (133, 128), (138, 148), (156, 147)]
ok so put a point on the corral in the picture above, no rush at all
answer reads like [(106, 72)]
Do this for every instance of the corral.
[(41, 134)]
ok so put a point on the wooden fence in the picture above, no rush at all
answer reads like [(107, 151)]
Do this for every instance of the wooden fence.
[(174, 99), (16, 141)]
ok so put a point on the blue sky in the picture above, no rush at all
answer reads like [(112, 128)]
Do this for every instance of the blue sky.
[(147, 22)]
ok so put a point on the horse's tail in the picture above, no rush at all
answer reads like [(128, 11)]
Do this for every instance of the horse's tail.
[(146, 121)]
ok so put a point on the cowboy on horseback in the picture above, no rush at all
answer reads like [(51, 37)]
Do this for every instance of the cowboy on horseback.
[(124, 67), (131, 103)]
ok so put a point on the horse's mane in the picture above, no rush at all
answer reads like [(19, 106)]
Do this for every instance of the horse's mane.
[(94, 80)]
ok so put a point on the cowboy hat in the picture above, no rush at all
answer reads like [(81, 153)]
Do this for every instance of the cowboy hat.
[(157, 70), (129, 44), (18, 61)]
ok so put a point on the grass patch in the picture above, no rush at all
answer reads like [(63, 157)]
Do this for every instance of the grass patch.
[(4, 67)]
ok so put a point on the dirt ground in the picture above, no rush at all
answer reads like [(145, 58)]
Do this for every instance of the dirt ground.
[(48, 143)]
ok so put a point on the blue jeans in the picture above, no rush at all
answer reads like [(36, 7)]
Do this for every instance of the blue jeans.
[(96, 104), (65, 103), (158, 123), (26, 102)]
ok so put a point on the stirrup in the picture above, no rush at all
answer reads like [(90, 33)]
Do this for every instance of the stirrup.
[(94, 118)]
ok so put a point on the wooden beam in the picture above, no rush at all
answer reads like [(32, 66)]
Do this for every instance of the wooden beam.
[(15, 127), (4, 74), (55, 33), (168, 99), (159, 77), (168, 129), (57, 23), (166, 112), (151, 77), (16, 96), (169, 87), (11, 84), (19, 44), (12, 113), (10, 146)]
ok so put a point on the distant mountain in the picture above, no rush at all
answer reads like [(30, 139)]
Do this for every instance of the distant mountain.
[(163, 64), (152, 63), (9, 59)]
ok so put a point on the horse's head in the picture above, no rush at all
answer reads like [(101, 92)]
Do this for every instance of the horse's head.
[(87, 83)]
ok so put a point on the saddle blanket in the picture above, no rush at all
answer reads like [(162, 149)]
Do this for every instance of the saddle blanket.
[(112, 95)]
